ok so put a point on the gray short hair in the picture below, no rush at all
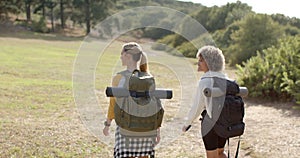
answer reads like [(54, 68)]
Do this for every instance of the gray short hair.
[(213, 57)]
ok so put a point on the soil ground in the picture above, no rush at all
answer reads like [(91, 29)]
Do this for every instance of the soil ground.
[(272, 130)]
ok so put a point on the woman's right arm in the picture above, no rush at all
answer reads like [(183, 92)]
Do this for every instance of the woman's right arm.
[(197, 106), (112, 102)]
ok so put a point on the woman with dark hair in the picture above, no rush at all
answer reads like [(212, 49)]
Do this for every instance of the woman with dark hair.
[(133, 58)]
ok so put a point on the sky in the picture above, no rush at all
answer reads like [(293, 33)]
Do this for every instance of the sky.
[(286, 7)]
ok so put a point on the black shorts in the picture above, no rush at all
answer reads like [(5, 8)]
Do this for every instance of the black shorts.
[(211, 140)]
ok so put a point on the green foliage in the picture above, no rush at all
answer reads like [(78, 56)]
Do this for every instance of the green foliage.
[(167, 40), (185, 7), (156, 33), (166, 44), (256, 32), (153, 18), (223, 37), (188, 49), (284, 20), (275, 72), (291, 30), (236, 11), (10, 6), (216, 18), (290, 25), (213, 19), (91, 12), (40, 26), (173, 40)]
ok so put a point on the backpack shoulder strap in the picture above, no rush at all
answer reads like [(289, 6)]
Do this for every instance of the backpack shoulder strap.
[(125, 73), (218, 82), (232, 87)]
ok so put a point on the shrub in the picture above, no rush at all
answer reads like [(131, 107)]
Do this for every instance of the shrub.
[(40, 26), (274, 72), (188, 49)]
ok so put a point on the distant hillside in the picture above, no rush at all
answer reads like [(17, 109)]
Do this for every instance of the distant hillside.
[(185, 7)]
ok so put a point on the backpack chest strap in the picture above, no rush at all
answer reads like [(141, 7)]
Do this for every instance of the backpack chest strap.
[(137, 94)]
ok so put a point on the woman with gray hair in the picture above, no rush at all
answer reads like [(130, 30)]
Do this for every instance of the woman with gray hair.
[(212, 62)]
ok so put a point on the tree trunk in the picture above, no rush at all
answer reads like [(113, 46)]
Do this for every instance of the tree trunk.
[(62, 14), (88, 16), (52, 19), (28, 10), (43, 9)]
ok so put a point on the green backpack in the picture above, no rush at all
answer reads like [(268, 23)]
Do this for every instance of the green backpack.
[(140, 114)]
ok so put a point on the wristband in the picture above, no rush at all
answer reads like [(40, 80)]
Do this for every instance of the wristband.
[(106, 124)]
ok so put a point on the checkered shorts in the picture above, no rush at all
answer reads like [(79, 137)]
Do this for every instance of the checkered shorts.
[(133, 147)]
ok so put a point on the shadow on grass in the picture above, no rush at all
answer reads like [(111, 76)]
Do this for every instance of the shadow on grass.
[(15, 31), (40, 36)]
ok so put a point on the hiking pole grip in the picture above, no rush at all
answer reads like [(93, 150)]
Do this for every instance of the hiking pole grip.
[(217, 92), (123, 92)]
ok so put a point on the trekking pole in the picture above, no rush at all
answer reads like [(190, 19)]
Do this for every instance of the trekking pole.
[(123, 92), (217, 92)]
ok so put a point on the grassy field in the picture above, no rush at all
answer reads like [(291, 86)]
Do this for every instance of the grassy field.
[(38, 114)]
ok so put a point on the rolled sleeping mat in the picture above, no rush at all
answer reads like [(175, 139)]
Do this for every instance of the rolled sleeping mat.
[(216, 92), (123, 92)]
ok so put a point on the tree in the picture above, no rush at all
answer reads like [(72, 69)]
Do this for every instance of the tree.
[(202, 16), (10, 6), (236, 11), (94, 11), (51, 4), (223, 37), (256, 32), (215, 18), (28, 9), (61, 4), (285, 20), (88, 16)]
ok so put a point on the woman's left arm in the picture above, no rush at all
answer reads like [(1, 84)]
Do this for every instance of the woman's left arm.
[(158, 136)]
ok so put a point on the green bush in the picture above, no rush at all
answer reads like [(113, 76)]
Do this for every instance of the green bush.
[(159, 46), (155, 33), (40, 26), (173, 40), (274, 72), (188, 49), (163, 43), (167, 40)]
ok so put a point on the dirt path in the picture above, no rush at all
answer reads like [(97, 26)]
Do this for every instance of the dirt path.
[(271, 131)]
